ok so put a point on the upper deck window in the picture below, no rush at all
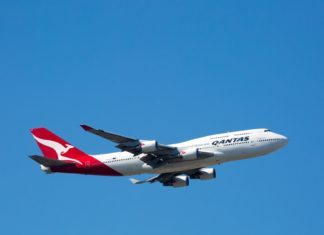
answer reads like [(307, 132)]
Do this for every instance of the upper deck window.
[(266, 130)]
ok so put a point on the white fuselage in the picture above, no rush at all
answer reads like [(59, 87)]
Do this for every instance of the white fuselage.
[(226, 147)]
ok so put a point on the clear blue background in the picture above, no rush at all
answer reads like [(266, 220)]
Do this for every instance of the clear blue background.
[(165, 70)]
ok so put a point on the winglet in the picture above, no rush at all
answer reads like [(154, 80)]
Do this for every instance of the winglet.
[(135, 181), (86, 127)]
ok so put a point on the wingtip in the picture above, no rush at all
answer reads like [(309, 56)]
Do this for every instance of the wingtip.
[(134, 181), (86, 127)]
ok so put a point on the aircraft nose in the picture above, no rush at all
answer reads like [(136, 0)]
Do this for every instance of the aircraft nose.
[(284, 139)]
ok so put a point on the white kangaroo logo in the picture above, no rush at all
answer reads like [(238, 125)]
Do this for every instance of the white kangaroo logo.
[(58, 148)]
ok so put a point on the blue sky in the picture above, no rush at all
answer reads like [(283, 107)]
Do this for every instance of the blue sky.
[(165, 70)]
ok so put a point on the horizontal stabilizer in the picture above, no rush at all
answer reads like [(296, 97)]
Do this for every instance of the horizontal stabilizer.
[(49, 162)]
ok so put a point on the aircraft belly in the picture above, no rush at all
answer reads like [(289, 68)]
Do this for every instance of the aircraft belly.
[(130, 168), (139, 167)]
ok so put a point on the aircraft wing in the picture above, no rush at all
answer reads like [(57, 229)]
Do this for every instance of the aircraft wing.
[(165, 177), (108, 135), (154, 151)]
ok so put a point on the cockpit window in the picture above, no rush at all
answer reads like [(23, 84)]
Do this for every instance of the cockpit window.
[(266, 130)]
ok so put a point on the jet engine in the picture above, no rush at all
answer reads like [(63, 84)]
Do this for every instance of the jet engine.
[(149, 146), (204, 174), (193, 154), (178, 181), (190, 154)]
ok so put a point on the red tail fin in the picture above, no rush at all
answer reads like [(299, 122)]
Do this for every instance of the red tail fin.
[(54, 147)]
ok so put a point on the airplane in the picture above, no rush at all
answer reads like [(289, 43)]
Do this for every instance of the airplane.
[(174, 164)]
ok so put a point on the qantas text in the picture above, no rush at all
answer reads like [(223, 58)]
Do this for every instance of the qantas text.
[(233, 140)]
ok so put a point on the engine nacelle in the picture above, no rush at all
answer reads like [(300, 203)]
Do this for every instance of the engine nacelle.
[(194, 153), (189, 154), (148, 146), (204, 174), (178, 181)]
